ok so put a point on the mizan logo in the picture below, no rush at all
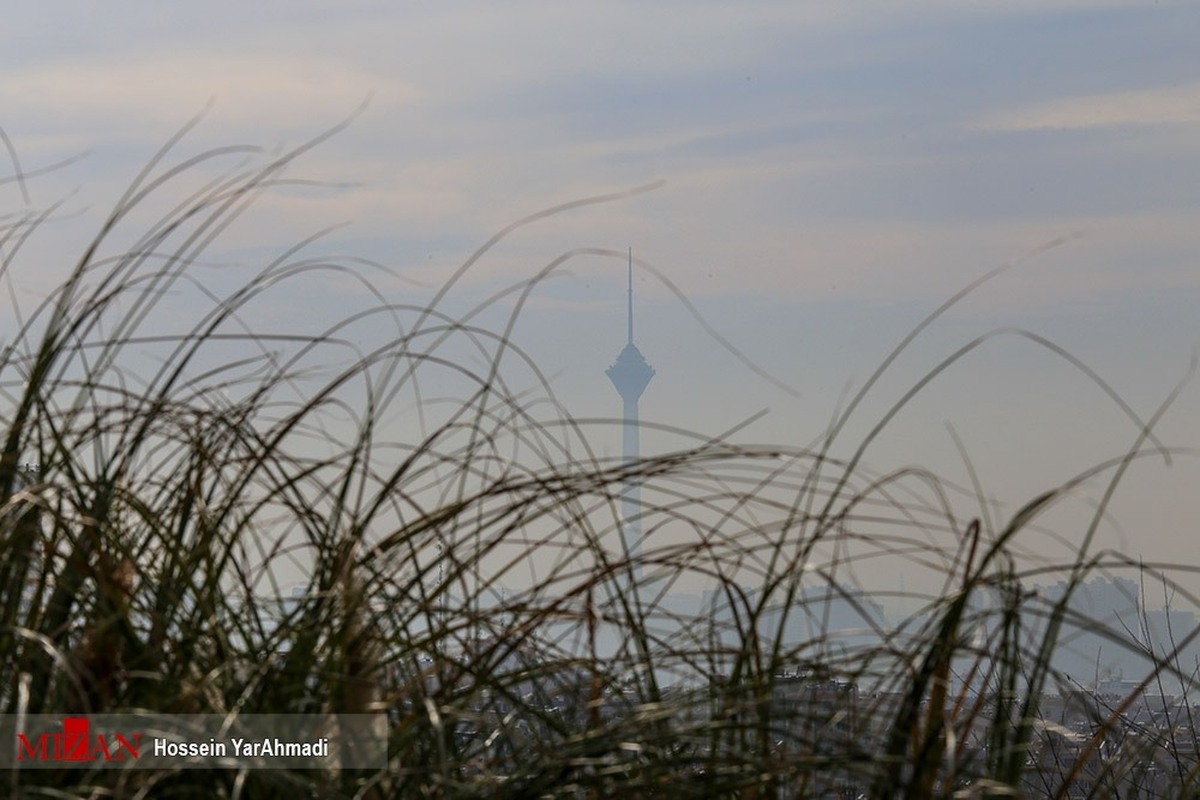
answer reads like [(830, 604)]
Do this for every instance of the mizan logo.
[(77, 744)]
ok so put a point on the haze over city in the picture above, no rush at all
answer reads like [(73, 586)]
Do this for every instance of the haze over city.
[(771, 399), (821, 177)]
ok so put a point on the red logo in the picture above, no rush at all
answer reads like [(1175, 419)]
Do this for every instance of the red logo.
[(77, 744)]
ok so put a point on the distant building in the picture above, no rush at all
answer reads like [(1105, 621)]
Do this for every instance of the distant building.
[(630, 374)]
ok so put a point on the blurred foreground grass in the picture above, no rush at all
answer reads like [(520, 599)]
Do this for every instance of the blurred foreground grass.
[(206, 509)]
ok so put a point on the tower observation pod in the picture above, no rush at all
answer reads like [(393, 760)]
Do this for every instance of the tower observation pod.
[(630, 374)]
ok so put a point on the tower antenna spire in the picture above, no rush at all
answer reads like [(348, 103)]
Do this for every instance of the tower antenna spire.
[(630, 295)]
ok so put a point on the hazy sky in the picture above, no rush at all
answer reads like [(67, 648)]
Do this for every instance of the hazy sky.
[(832, 172)]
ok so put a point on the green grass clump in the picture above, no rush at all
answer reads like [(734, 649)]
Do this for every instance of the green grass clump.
[(201, 448)]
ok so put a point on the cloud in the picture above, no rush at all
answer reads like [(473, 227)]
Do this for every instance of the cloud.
[(251, 92), (1174, 105)]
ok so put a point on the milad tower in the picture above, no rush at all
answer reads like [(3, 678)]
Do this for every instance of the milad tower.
[(630, 374)]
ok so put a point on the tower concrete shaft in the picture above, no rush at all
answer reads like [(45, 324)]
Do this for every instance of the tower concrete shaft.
[(630, 374)]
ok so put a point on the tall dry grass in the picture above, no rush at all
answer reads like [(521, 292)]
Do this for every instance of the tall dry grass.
[(197, 458)]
